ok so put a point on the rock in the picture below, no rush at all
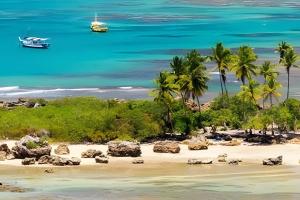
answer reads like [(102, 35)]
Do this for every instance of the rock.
[(28, 161), (37, 105), (199, 162), (273, 161), (62, 149), (124, 149), (10, 188), (138, 161), (46, 159), (59, 161), (166, 147), (227, 138), (31, 147), (74, 161), (4, 147), (234, 142), (101, 159), (49, 171), (234, 162), (2, 155), (91, 153), (294, 141), (29, 104), (198, 145), (222, 158)]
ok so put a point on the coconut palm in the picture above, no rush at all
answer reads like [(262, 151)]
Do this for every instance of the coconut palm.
[(270, 89), (289, 60), (267, 69), (245, 68), (221, 55), (164, 93), (177, 66), (194, 82), (282, 49), (250, 92)]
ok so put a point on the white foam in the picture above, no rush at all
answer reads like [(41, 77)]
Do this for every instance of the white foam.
[(9, 88)]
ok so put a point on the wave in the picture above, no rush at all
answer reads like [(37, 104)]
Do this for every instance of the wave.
[(16, 91)]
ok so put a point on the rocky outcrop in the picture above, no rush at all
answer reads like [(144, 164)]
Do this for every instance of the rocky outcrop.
[(91, 153), (266, 139), (198, 145), (273, 161), (124, 149), (166, 147), (199, 162), (138, 161), (28, 103), (222, 158), (62, 149), (31, 147), (28, 161), (46, 159), (101, 159)]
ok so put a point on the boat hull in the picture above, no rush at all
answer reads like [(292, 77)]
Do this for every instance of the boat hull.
[(36, 47)]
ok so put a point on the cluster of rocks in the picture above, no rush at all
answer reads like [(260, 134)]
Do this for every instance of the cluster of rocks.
[(28, 103), (266, 139), (54, 160), (273, 161)]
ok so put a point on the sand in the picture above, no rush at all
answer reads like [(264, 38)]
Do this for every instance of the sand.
[(246, 152)]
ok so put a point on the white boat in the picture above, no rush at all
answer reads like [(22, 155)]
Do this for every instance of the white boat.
[(34, 42), (97, 26)]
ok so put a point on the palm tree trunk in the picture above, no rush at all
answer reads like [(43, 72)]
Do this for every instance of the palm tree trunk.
[(198, 102), (170, 119), (288, 87), (271, 100), (221, 83), (225, 87)]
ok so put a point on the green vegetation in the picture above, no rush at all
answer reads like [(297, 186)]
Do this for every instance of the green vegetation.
[(176, 107)]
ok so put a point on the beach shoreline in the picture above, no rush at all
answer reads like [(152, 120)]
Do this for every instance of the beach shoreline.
[(249, 154)]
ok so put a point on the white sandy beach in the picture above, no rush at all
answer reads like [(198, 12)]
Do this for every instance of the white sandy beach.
[(247, 153)]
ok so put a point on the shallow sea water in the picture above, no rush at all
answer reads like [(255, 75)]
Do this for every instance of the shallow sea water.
[(151, 181), (143, 36)]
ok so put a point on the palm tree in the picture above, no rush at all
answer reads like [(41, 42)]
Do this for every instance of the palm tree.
[(177, 66), (289, 60), (194, 82), (270, 89), (267, 69), (221, 56), (282, 49), (245, 68), (250, 92), (164, 92)]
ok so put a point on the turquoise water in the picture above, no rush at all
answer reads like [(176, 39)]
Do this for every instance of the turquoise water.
[(155, 182), (143, 36)]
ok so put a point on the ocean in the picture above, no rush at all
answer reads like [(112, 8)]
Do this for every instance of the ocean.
[(143, 36), (154, 182)]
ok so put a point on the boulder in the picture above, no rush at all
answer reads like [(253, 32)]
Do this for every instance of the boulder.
[(59, 161), (222, 158), (28, 161), (234, 162), (234, 142), (91, 153), (101, 159), (2, 155), (31, 147), (166, 147), (227, 138), (124, 149), (46, 159), (197, 145), (273, 161), (49, 171), (74, 161), (138, 161), (199, 162), (62, 149), (10, 156), (4, 147)]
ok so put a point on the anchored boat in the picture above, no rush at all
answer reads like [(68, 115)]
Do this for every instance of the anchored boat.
[(97, 26), (34, 42)]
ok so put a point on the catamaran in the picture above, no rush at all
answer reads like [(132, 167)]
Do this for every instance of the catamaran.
[(34, 42), (97, 26)]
